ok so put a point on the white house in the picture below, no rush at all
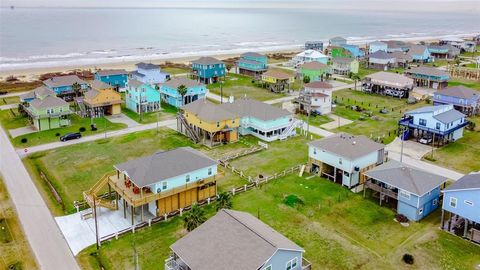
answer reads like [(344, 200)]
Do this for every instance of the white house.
[(309, 56)]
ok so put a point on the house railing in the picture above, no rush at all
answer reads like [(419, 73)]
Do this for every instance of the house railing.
[(382, 190), (409, 123)]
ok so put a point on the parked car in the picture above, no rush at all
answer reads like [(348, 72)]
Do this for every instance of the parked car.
[(426, 140), (70, 136)]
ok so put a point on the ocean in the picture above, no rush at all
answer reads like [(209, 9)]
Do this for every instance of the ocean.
[(49, 37)]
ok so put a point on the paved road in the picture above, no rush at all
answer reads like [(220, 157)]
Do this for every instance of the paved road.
[(14, 94), (172, 123), (48, 245)]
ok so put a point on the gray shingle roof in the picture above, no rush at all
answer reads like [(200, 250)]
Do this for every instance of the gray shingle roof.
[(278, 74), (92, 93), (338, 39), (429, 71), (469, 181), (318, 85), (252, 54), (248, 61), (406, 177), (40, 91), (111, 72), (347, 145), (135, 83), (48, 102), (164, 165), (417, 49), (231, 240), (176, 82), (401, 56), (136, 73), (207, 60), (342, 60), (449, 116), (63, 81), (314, 65), (143, 65), (391, 79), (459, 91), (209, 112), (380, 55), (256, 109), (99, 85)]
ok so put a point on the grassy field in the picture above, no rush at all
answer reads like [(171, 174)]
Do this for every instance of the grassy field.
[(11, 119), (462, 155), (337, 228), (175, 70), (379, 125), (168, 112), (74, 169), (77, 122), (9, 100), (466, 83), (240, 86), (317, 120), (15, 251)]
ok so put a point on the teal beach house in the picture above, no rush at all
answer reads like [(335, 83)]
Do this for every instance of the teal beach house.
[(208, 69), (170, 95), (142, 97), (63, 85), (252, 64), (117, 78)]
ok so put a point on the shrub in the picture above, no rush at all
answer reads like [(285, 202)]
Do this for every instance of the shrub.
[(408, 258), (293, 200), (24, 140), (82, 129), (57, 134), (401, 218)]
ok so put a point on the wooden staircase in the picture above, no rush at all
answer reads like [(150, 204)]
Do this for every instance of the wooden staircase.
[(93, 199), (189, 130)]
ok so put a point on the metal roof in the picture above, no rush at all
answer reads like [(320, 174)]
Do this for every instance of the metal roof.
[(231, 240), (347, 145), (405, 177), (164, 165)]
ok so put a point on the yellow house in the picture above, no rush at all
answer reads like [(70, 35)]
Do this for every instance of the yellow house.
[(276, 80), (208, 123), (101, 99)]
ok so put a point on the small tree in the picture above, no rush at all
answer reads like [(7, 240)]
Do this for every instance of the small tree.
[(76, 87), (355, 77), (182, 90), (408, 258), (194, 218), (228, 66), (306, 79), (224, 201)]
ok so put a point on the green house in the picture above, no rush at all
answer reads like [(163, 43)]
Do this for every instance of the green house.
[(48, 113), (314, 70)]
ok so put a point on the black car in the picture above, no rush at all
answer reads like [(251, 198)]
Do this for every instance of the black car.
[(70, 136)]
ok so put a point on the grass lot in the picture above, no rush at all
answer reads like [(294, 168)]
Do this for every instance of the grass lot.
[(337, 228), (317, 120), (74, 169), (438, 63), (384, 126), (474, 54), (466, 83), (462, 155), (175, 70), (48, 136), (11, 119), (9, 100), (239, 86), (168, 112), (14, 248)]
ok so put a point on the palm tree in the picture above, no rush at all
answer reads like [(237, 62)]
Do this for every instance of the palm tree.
[(355, 77), (194, 218), (76, 87), (182, 90), (224, 201)]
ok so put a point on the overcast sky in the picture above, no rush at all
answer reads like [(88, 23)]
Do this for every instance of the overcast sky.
[(391, 5)]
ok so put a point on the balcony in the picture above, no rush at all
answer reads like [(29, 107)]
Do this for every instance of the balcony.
[(390, 193), (408, 122), (306, 265), (174, 263)]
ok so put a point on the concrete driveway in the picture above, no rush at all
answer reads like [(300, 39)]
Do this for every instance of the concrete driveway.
[(122, 119), (410, 148), (21, 131)]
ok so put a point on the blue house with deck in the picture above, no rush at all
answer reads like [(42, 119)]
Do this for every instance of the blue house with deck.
[(235, 240), (149, 73), (441, 124), (208, 69), (420, 54), (117, 78), (428, 77), (252, 64), (461, 207), (354, 50), (63, 85), (463, 99), (169, 91), (414, 193), (142, 97), (344, 158)]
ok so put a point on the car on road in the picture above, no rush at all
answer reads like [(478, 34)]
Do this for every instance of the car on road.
[(70, 136), (426, 140)]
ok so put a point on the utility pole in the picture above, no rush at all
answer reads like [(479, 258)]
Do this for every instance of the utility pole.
[(158, 115), (105, 128), (221, 91), (96, 222), (401, 149), (140, 104), (433, 143)]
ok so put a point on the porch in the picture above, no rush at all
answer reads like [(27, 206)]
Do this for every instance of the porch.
[(385, 194), (460, 226)]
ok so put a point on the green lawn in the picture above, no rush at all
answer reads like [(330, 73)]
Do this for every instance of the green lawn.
[(317, 120), (376, 126), (337, 228), (11, 119), (466, 83), (175, 70), (168, 112), (75, 168), (240, 86), (439, 63), (474, 54), (48, 136), (9, 100), (14, 248), (462, 155)]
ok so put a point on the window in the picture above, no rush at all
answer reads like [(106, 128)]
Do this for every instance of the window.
[(422, 122), (209, 171), (187, 178), (291, 264), (437, 126), (420, 211), (340, 161), (164, 185), (405, 194), (468, 202), (435, 201), (314, 151), (453, 202), (268, 267), (294, 262)]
